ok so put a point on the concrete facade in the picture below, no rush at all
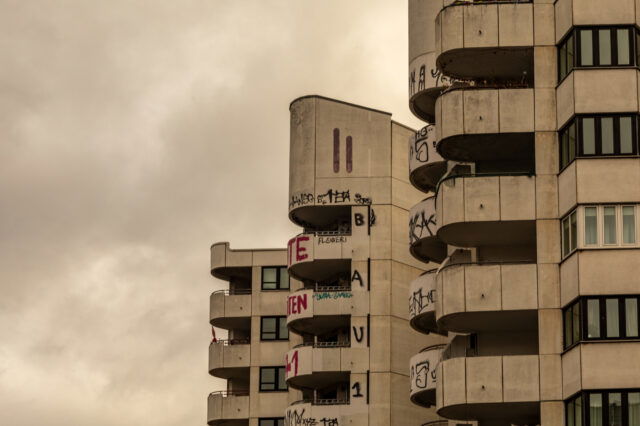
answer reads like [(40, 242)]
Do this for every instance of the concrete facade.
[(537, 298)]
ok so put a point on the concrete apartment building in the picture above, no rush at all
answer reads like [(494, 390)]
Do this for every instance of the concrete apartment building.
[(511, 231)]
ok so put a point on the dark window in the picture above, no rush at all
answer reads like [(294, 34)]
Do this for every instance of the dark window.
[(604, 408), (275, 278), (569, 234), (587, 136), (273, 328), (601, 318), (598, 47), (272, 379), (274, 421)]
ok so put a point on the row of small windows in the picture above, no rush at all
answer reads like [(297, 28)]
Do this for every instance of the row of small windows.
[(598, 47), (275, 278), (604, 408), (601, 318), (272, 379), (274, 328), (599, 226), (602, 135)]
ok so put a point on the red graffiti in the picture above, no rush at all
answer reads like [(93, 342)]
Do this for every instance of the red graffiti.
[(294, 246), (293, 365), (297, 304)]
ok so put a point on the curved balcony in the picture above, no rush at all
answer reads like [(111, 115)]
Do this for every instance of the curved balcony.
[(422, 375), (228, 408), (424, 243), (229, 358), (487, 297), (426, 166), (321, 364), (319, 310), (319, 256), (422, 303), (487, 210), (488, 40), (231, 265), (486, 123), (230, 309), (499, 390)]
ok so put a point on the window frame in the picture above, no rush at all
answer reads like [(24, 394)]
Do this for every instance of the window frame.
[(278, 338), (585, 412), (572, 240), (278, 282), (573, 39), (583, 312), (276, 383)]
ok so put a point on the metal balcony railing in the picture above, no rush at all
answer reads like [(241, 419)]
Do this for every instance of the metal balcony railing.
[(233, 292), (228, 393), (323, 401), (324, 345), (232, 342)]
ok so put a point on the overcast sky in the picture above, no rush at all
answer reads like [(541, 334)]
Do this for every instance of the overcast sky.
[(133, 135)]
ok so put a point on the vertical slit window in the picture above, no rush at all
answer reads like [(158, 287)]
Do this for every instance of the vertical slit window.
[(574, 230), (586, 48), (590, 225), (588, 136), (595, 409), (624, 47), (631, 317), (563, 60), (604, 47), (576, 322), (565, 237), (570, 54), (612, 318), (628, 225), (593, 318), (349, 154), (626, 135), (615, 409), (609, 225), (572, 142), (634, 408), (568, 333), (606, 133), (336, 150)]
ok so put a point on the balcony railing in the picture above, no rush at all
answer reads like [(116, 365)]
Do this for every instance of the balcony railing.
[(324, 345), (233, 292), (228, 393), (480, 175), (323, 401), (231, 342), (463, 2)]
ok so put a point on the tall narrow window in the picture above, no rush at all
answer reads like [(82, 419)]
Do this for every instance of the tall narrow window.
[(606, 132), (576, 322), (631, 317), (628, 225), (566, 249), (634, 408), (615, 409), (612, 318), (593, 318), (586, 48), (604, 46), (578, 410), (624, 47), (626, 135), (349, 154), (562, 61), (568, 333), (570, 54), (574, 230), (588, 136), (572, 142), (590, 225), (571, 417), (595, 409), (609, 225)]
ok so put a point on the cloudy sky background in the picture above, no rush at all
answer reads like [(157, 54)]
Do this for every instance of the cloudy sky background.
[(133, 134)]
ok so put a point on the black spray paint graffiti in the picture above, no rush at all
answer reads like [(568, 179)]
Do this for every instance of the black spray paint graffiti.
[(419, 302), (421, 81), (332, 197), (419, 149), (356, 389), (359, 199), (300, 200), (372, 217), (421, 376), (357, 277), (441, 80), (421, 226), (355, 333), (294, 418)]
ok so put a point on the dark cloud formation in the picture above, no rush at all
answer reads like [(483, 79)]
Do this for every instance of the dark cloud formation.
[(133, 134)]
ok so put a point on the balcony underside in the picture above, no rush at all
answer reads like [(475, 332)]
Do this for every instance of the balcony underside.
[(489, 233), (429, 249), (320, 217), (423, 104), (230, 422), (498, 414), (228, 323), (426, 323), (488, 63), (320, 270), (426, 177), (318, 380), (488, 147), (425, 398), (491, 321), (319, 324)]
